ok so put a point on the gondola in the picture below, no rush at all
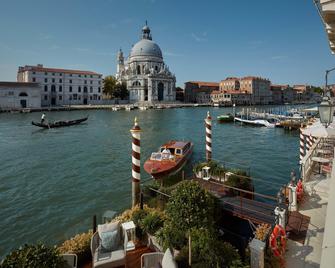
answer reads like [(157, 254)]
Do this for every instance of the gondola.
[(60, 123)]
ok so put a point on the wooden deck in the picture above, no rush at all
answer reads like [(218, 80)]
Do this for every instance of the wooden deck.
[(244, 208), (133, 258)]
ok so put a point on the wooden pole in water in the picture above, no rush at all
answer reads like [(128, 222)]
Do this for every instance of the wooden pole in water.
[(208, 123), (136, 162)]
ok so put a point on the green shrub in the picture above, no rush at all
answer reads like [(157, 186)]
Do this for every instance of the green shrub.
[(79, 245), (215, 168), (170, 236), (31, 256), (152, 222), (209, 251)]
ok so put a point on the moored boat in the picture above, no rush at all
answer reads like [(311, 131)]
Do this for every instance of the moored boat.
[(257, 122), (225, 118), (170, 159), (59, 123)]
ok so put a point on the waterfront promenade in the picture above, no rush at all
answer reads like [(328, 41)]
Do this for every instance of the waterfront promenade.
[(317, 248)]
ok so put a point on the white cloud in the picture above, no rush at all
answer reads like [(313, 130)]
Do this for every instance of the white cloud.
[(278, 57), (200, 38)]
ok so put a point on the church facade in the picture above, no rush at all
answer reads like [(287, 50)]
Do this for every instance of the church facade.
[(147, 77)]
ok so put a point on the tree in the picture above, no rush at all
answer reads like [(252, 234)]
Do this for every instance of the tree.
[(190, 206), (318, 90), (113, 89)]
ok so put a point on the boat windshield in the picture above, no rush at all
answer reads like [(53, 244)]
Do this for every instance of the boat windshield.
[(161, 156)]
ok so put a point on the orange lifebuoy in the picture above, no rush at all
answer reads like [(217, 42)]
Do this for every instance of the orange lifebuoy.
[(300, 190), (278, 235)]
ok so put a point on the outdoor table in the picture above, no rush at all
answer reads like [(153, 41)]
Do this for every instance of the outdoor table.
[(320, 160), (324, 151)]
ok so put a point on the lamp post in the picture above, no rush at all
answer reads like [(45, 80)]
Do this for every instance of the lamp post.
[(326, 109)]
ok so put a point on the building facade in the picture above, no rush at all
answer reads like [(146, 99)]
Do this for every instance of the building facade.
[(196, 91), (145, 74), (63, 86), (230, 97), (17, 95), (257, 87)]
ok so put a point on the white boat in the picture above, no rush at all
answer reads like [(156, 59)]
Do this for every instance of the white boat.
[(143, 108), (116, 108), (256, 122), (129, 108)]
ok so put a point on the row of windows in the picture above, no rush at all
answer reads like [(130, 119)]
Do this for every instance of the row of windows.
[(60, 74), (75, 97), (61, 80), (60, 89)]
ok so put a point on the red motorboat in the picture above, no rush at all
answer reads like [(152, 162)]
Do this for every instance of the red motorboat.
[(171, 158)]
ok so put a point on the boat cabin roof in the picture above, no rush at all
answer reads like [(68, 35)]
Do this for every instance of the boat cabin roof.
[(175, 144)]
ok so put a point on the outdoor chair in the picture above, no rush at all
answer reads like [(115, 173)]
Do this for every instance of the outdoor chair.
[(71, 260), (158, 259), (103, 255)]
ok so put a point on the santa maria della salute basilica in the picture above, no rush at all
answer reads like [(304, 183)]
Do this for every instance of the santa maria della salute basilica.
[(147, 77)]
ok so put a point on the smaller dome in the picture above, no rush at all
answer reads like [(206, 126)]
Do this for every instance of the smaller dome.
[(146, 28)]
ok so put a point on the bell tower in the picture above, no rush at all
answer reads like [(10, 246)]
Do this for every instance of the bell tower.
[(120, 62)]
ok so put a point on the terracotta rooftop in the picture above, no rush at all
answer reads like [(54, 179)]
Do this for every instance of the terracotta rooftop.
[(54, 70), (201, 83), (230, 78), (18, 84), (253, 77)]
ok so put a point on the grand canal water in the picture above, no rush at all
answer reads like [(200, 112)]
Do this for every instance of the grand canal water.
[(53, 181)]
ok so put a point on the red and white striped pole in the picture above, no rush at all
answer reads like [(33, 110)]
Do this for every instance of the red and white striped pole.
[(310, 141), (307, 143), (136, 162), (302, 145), (208, 122)]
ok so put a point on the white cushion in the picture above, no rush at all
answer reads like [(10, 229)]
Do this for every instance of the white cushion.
[(108, 227), (168, 261)]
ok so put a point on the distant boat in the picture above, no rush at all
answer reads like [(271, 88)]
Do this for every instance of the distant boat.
[(256, 122), (224, 118), (59, 123), (170, 159)]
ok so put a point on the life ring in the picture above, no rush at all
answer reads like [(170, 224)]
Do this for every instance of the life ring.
[(278, 241)]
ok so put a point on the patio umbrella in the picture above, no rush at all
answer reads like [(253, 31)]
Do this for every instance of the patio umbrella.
[(319, 131)]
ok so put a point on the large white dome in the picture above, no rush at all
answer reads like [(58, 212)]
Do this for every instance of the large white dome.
[(146, 48)]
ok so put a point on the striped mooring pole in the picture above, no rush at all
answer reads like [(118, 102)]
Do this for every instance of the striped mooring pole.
[(136, 162), (310, 141), (208, 122), (307, 143), (302, 145)]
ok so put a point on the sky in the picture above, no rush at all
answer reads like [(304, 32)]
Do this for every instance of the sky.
[(283, 41)]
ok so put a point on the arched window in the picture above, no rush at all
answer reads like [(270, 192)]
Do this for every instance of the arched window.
[(156, 68), (79, 89), (70, 89), (138, 69), (23, 94), (45, 88), (53, 88), (60, 88), (85, 89), (136, 83)]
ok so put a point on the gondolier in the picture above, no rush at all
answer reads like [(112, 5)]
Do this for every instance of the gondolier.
[(42, 118)]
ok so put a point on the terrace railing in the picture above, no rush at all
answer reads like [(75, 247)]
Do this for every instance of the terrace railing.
[(307, 164)]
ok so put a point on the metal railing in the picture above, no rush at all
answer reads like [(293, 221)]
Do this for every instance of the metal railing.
[(307, 164)]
